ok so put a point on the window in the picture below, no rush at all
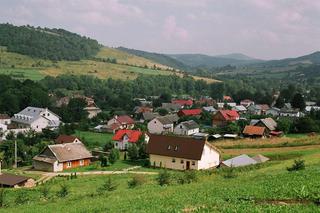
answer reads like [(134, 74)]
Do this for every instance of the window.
[(68, 164), (81, 162), (116, 144), (169, 147), (48, 114), (173, 160), (193, 163), (180, 126), (176, 148), (182, 161)]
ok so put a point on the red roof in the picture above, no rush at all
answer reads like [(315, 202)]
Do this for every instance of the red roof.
[(229, 115), (183, 102), (189, 112), (124, 119), (133, 135), (65, 139), (227, 98), (254, 130)]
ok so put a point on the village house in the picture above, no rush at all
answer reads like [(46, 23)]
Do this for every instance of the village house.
[(163, 124), (186, 128), (246, 103), (61, 139), (59, 157), (181, 153), (258, 109), (148, 116), (171, 107), (92, 109), (273, 111), (240, 109), (36, 119), (209, 109), (124, 137), (190, 112), (293, 113), (5, 119), (224, 117), (205, 101), (183, 103), (227, 98), (119, 122), (222, 105), (15, 181), (269, 124), (254, 131)]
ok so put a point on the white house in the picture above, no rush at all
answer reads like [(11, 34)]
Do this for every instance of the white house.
[(163, 124), (186, 128), (273, 111), (5, 119), (124, 137), (36, 119), (181, 153)]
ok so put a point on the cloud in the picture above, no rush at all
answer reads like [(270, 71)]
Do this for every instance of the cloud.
[(172, 31)]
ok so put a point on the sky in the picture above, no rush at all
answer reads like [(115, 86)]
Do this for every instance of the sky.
[(265, 29)]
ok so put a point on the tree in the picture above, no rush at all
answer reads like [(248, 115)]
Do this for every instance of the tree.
[(280, 102), (298, 102), (133, 152), (107, 186), (162, 111), (108, 146), (114, 155), (285, 125)]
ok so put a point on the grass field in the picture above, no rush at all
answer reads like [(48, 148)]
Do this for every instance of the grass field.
[(93, 139), (267, 187), (128, 67)]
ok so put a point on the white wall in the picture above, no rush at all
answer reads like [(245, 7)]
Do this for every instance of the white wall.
[(210, 158), (39, 124), (181, 130), (166, 162), (155, 127)]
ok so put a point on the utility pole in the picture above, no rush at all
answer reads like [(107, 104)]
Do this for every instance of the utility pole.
[(15, 155)]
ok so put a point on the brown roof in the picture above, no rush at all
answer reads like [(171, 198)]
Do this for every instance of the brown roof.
[(69, 151), (254, 130), (11, 179), (173, 146), (4, 116), (65, 139)]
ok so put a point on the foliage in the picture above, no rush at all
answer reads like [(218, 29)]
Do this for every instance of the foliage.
[(44, 191), (64, 191), (285, 125), (2, 197), (133, 152), (54, 44), (21, 198), (229, 172), (114, 155), (108, 186), (137, 180), (108, 146), (187, 177), (103, 160), (162, 111), (298, 102), (297, 165), (163, 178)]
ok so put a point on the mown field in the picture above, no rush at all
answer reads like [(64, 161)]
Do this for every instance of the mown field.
[(266, 187), (127, 67)]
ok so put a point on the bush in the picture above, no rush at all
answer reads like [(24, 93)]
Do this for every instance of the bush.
[(108, 146), (103, 160), (114, 155), (163, 178), (187, 177), (297, 165), (229, 173), (2, 197), (133, 152), (107, 186), (64, 191), (136, 180), (44, 192), (21, 198)]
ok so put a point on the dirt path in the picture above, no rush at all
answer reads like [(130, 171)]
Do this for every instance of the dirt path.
[(265, 150)]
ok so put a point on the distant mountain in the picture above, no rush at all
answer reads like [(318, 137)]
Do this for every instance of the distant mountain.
[(201, 60), (157, 57)]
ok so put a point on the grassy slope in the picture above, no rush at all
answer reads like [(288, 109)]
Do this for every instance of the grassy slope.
[(25, 67), (212, 192)]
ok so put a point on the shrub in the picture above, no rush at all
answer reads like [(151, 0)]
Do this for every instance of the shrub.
[(187, 177), (136, 180), (103, 160), (297, 165), (107, 186), (133, 152), (2, 197), (21, 198), (114, 155), (44, 192), (64, 191), (163, 178), (230, 173)]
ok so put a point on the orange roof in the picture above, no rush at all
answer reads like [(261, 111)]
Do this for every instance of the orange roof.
[(229, 115), (183, 102), (254, 130), (189, 112), (227, 98), (133, 135)]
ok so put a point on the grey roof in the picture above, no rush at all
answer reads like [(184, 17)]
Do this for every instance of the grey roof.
[(242, 160), (190, 124), (254, 122), (240, 108), (148, 116), (69, 151), (269, 123), (209, 109), (11, 179), (168, 119), (171, 106), (260, 158), (30, 114)]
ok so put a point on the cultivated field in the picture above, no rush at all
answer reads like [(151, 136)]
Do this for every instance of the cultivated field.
[(267, 187)]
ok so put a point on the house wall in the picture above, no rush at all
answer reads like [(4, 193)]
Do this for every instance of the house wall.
[(42, 166), (75, 164), (166, 162), (5, 121), (181, 130), (155, 127), (218, 120), (39, 124), (209, 158)]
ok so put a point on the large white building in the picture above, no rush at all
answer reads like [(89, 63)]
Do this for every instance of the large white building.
[(182, 153), (163, 124), (36, 118)]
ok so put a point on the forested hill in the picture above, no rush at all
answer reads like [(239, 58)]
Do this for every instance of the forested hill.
[(158, 57), (53, 44)]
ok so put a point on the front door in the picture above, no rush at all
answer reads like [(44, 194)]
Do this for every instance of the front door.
[(188, 165)]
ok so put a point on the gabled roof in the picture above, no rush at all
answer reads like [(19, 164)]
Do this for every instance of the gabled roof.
[(30, 114), (4, 116), (190, 124), (168, 119), (11, 179), (124, 119), (242, 160), (240, 108), (209, 109), (171, 106), (229, 115), (65, 139), (254, 130), (269, 123), (183, 102), (179, 147), (264, 107), (68, 152), (148, 116), (189, 112), (133, 135)]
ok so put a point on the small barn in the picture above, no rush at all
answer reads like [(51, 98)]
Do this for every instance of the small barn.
[(15, 181)]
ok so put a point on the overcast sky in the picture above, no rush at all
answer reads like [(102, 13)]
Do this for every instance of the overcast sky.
[(259, 28)]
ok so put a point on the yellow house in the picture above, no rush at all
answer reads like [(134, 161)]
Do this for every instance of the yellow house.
[(182, 153)]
